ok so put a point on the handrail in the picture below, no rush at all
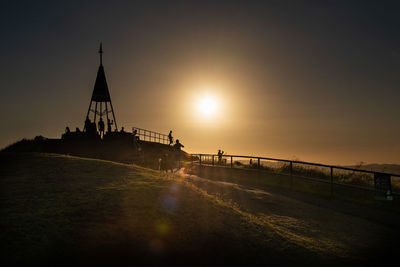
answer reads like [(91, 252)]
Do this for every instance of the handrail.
[(151, 135), (382, 180), (299, 162)]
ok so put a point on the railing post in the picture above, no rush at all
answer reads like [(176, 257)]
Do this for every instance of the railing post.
[(258, 163), (291, 174), (213, 160), (231, 162), (331, 181), (200, 159)]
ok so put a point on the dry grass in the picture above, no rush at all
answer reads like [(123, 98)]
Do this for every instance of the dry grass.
[(80, 211)]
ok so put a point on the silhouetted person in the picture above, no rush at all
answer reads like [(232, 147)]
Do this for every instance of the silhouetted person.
[(109, 123), (135, 139), (178, 145), (101, 127), (170, 138), (77, 130), (135, 135), (67, 131), (122, 130), (219, 156)]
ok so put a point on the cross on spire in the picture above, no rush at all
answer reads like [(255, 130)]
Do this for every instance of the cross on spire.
[(101, 54)]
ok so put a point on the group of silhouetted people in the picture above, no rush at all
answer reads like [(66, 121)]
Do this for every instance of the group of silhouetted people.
[(91, 129), (177, 145), (101, 126), (167, 162), (69, 133)]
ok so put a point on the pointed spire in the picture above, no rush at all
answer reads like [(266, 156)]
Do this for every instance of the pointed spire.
[(101, 54), (100, 91), (101, 95)]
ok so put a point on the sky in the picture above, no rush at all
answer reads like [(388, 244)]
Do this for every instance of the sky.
[(310, 80)]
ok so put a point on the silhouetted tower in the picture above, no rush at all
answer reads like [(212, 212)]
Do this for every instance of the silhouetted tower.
[(102, 102)]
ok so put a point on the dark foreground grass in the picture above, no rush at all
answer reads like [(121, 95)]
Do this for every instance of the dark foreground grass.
[(60, 210)]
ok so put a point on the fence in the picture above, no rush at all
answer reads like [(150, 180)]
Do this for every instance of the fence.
[(151, 136), (322, 173)]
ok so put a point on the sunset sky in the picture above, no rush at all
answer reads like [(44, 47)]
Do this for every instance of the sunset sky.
[(313, 80)]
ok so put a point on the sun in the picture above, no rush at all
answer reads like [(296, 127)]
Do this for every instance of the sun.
[(207, 105)]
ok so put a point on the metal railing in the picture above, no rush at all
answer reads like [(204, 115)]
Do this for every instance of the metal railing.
[(151, 136), (331, 174)]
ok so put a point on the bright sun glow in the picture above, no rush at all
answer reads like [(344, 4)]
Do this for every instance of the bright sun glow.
[(207, 105)]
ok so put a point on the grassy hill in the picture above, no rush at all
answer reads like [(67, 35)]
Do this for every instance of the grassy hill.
[(120, 149), (65, 210)]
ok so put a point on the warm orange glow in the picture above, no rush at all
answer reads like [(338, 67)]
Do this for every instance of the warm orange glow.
[(207, 105)]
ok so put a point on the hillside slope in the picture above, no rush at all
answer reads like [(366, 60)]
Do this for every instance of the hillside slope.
[(70, 210), (120, 149)]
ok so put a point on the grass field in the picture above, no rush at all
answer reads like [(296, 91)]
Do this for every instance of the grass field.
[(62, 210)]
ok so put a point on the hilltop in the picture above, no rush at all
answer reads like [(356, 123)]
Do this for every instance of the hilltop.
[(119, 150), (79, 211)]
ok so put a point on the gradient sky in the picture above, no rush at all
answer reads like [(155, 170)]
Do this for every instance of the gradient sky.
[(312, 80)]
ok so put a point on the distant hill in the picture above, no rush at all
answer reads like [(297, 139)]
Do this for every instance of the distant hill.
[(390, 168)]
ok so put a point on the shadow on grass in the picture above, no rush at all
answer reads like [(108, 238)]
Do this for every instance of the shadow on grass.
[(60, 210)]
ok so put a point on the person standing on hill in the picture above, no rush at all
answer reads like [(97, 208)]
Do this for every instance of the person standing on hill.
[(178, 145), (109, 123), (170, 138), (220, 153), (101, 127)]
